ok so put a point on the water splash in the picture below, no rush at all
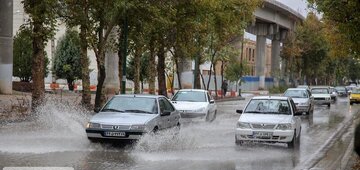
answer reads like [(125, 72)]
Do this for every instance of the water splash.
[(56, 126)]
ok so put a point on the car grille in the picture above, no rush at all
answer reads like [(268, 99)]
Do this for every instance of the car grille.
[(322, 98), (263, 126), (117, 127)]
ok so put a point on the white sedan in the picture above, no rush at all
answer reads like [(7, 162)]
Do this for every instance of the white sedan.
[(269, 119), (195, 103)]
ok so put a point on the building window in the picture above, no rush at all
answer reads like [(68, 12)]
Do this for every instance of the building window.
[(253, 55), (249, 54)]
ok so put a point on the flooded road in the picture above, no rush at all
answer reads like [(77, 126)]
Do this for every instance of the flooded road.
[(58, 139)]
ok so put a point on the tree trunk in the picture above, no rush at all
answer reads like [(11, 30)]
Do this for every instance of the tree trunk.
[(70, 84), (100, 90), (222, 71), (211, 66), (152, 67), (37, 68), (84, 60), (120, 55), (161, 71), (177, 70), (137, 57), (216, 94)]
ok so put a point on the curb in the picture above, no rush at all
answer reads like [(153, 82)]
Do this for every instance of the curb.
[(321, 152), (229, 99), (347, 156)]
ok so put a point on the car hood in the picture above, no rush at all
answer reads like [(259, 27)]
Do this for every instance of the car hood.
[(265, 118), (183, 105), (300, 100), (122, 118), (321, 95)]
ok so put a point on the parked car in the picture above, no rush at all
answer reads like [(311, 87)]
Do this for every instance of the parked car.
[(269, 119), (342, 91), (355, 96), (302, 98), (333, 93), (321, 95), (195, 103), (127, 117)]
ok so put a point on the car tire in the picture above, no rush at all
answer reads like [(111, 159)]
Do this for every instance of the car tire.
[(351, 103), (238, 142), (293, 142), (207, 117), (214, 116), (329, 105)]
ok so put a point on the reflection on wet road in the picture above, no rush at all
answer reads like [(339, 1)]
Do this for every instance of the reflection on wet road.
[(59, 140)]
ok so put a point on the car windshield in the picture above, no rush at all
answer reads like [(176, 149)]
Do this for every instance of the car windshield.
[(320, 91), (132, 104), (268, 106), (340, 88), (296, 93), (190, 96), (355, 91)]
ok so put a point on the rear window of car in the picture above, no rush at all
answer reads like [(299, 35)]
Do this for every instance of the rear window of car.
[(190, 96), (296, 94)]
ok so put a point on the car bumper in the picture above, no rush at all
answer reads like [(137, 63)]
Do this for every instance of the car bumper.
[(303, 108), (355, 100), (277, 135), (192, 115), (322, 102), (100, 134)]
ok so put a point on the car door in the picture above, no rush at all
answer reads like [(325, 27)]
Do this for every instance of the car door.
[(297, 119), (174, 114), (164, 119)]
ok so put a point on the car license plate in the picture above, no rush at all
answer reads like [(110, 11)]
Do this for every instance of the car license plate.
[(263, 134), (119, 134)]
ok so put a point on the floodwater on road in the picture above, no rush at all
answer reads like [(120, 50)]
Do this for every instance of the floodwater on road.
[(57, 139)]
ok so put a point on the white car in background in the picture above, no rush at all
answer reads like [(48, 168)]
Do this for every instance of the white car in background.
[(321, 95), (269, 119), (195, 103), (302, 98)]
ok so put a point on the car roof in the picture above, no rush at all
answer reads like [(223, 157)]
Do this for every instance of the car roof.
[(313, 87), (139, 95), (200, 90), (271, 97), (296, 89)]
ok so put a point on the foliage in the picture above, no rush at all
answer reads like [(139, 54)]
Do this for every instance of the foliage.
[(67, 57), (278, 90), (235, 69), (143, 70), (23, 51), (345, 17)]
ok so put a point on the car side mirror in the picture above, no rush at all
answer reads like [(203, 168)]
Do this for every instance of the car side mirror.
[(212, 101), (298, 113), (165, 113), (97, 109), (239, 111)]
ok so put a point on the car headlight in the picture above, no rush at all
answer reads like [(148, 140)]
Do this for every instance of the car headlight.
[(243, 125), (286, 126), (137, 127), (200, 110), (93, 125)]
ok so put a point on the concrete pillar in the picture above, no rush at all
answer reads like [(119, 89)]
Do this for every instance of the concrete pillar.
[(187, 75), (6, 46), (260, 59), (111, 83), (275, 60)]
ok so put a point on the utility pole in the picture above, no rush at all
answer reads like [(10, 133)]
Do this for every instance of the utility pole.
[(123, 80)]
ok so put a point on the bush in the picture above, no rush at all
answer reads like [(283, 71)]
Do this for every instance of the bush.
[(277, 90)]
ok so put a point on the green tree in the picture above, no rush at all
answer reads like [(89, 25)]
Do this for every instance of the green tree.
[(67, 58), (345, 16), (43, 23), (76, 14), (23, 51)]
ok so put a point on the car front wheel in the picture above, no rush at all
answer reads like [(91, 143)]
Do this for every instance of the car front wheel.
[(294, 142)]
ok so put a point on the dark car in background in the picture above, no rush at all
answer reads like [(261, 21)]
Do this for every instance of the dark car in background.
[(342, 91)]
